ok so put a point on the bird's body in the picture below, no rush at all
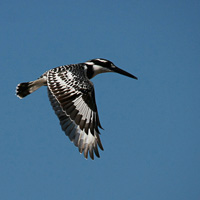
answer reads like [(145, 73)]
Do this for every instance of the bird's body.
[(72, 97)]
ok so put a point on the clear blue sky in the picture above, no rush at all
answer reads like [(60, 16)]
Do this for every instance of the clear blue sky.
[(152, 126)]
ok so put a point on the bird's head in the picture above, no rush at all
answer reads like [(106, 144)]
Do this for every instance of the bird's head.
[(100, 65)]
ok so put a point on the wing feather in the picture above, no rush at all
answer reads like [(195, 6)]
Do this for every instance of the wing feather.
[(76, 109)]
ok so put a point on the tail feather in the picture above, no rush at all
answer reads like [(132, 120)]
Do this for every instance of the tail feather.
[(26, 88), (23, 89)]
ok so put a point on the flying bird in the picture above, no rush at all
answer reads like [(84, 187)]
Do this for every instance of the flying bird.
[(72, 97)]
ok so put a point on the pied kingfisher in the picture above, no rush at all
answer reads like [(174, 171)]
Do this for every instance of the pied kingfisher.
[(72, 97)]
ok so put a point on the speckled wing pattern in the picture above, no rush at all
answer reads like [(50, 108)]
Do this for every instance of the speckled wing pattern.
[(72, 97)]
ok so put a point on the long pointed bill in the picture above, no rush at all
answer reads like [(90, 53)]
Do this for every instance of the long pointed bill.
[(120, 71)]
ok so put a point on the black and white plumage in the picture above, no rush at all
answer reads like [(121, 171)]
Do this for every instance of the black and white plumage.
[(72, 97)]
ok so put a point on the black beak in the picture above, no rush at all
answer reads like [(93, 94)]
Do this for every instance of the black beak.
[(120, 71)]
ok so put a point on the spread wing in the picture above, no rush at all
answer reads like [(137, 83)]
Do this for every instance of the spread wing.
[(73, 101)]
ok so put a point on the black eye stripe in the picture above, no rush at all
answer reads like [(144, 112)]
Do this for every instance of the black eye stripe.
[(103, 64)]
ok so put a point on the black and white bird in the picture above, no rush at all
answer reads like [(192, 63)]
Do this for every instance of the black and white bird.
[(72, 97)]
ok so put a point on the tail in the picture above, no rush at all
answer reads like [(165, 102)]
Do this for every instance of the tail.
[(24, 89)]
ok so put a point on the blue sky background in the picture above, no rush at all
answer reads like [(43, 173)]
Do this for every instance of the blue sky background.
[(152, 126)]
